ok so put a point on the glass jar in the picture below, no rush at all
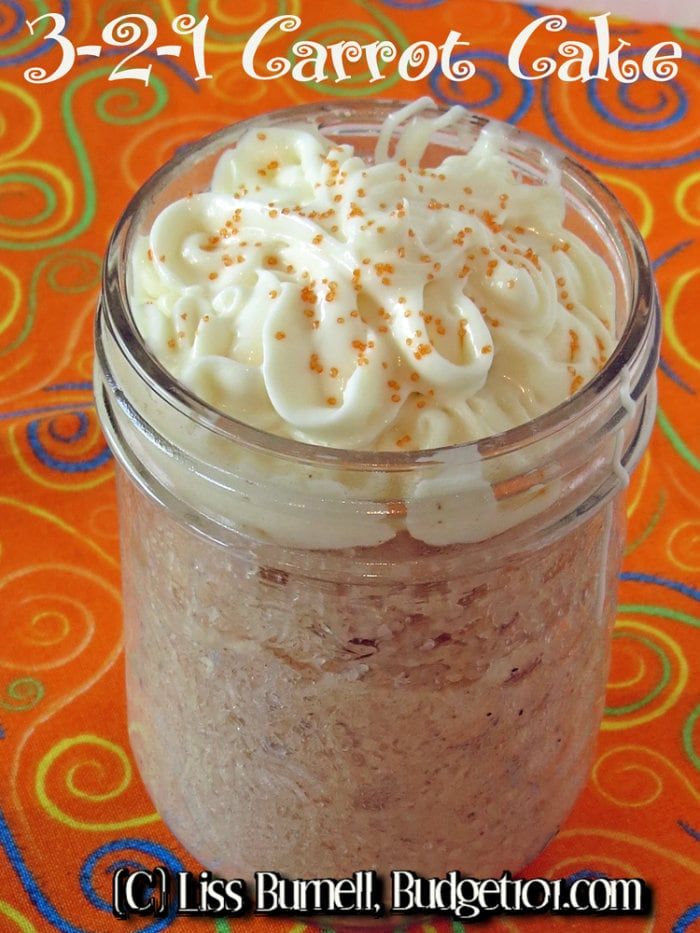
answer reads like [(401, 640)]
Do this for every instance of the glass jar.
[(339, 660)]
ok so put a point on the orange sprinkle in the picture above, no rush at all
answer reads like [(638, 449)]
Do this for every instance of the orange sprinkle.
[(573, 344), (576, 380), (395, 397), (272, 293), (487, 348), (280, 335), (213, 275), (333, 372), (402, 441), (331, 400), (423, 350)]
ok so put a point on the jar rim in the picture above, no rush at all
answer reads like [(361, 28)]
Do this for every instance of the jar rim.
[(644, 316)]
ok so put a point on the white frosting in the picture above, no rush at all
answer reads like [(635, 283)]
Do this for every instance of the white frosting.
[(377, 306)]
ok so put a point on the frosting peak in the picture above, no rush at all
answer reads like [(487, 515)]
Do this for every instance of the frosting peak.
[(377, 305)]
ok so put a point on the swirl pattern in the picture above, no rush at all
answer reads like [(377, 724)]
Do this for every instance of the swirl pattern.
[(488, 88), (71, 154)]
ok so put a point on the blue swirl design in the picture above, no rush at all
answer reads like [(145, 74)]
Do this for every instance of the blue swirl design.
[(158, 855), (687, 828), (29, 54), (17, 25), (686, 590), (588, 873), (81, 430), (68, 387), (667, 370), (678, 114), (495, 85), (690, 916), (537, 13), (45, 906), (670, 253), (65, 466), (43, 410), (623, 92)]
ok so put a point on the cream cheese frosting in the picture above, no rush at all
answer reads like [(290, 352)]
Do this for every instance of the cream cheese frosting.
[(373, 305)]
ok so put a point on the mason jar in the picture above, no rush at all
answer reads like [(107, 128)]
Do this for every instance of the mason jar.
[(340, 660)]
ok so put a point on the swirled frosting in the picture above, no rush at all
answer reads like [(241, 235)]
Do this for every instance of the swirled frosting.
[(375, 305)]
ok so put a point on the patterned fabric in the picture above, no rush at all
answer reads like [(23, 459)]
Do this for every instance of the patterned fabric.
[(72, 152)]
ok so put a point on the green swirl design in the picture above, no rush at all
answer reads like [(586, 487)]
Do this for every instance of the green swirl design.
[(129, 118), (688, 737), (25, 178), (653, 522), (89, 263), (656, 689), (28, 39), (130, 102), (24, 694), (337, 30), (148, 7), (677, 441), (660, 612), (685, 36), (193, 7)]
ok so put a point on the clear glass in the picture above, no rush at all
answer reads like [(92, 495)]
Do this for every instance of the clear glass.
[(317, 704)]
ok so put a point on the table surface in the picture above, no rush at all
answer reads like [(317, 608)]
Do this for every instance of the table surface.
[(72, 153)]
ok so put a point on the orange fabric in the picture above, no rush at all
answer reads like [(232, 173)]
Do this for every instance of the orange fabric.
[(72, 153)]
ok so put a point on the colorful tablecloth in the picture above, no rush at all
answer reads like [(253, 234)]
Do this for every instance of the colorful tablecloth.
[(72, 151)]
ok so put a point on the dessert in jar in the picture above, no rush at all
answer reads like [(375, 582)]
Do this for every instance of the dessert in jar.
[(376, 377)]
